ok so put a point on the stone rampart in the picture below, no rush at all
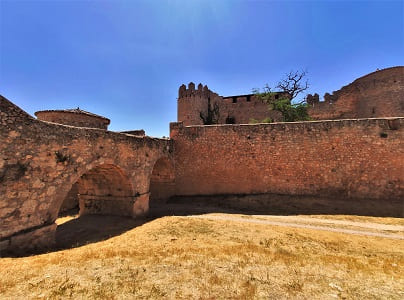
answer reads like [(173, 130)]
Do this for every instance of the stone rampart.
[(378, 94), (345, 159)]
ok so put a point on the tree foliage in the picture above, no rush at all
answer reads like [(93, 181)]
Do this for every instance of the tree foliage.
[(284, 99), (255, 121), (291, 112)]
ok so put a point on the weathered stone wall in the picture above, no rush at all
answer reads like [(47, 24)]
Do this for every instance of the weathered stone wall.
[(139, 132), (378, 94), (162, 182), (40, 162), (192, 102), (245, 108), (72, 200), (337, 159), (235, 109), (73, 119)]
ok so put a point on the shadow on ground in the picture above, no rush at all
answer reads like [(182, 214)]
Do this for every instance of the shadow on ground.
[(88, 229), (272, 204), (93, 228)]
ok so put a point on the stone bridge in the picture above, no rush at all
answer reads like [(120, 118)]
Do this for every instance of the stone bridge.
[(42, 164)]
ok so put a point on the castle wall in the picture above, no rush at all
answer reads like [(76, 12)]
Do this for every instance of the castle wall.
[(378, 94), (191, 103), (73, 119), (338, 159), (238, 109), (40, 162), (244, 108)]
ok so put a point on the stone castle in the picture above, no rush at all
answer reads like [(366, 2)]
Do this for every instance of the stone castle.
[(352, 155), (379, 94)]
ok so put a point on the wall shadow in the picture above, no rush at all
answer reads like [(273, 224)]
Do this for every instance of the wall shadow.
[(273, 204), (84, 230), (93, 228)]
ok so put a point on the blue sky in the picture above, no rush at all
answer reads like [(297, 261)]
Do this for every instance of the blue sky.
[(126, 59)]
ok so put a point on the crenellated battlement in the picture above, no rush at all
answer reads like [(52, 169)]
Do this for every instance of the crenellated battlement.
[(378, 94), (194, 102), (365, 97), (201, 91)]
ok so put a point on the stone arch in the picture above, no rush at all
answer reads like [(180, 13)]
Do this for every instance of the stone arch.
[(71, 201), (162, 182), (103, 189)]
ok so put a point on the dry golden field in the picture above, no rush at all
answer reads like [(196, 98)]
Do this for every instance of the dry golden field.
[(215, 256)]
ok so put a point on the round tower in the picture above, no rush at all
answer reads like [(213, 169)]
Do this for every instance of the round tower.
[(73, 117)]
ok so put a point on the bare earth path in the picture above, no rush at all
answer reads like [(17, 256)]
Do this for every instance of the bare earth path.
[(340, 226)]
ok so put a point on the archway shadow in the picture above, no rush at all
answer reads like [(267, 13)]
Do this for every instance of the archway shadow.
[(80, 231), (93, 228)]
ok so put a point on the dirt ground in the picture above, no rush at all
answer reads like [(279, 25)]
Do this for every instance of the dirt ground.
[(214, 256)]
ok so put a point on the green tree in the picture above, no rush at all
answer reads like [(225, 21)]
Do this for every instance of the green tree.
[(284, 99)]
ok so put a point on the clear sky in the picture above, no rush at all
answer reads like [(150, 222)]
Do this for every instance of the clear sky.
[(125, 59)]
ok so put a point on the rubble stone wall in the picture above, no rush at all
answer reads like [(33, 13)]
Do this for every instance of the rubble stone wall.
[(40, 162), (378, 94), (339, 159)]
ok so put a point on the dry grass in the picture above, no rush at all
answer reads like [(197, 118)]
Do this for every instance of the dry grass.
[(379, 220), (179, 257)]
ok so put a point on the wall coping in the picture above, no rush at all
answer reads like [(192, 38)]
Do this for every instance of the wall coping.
[(290, 124)]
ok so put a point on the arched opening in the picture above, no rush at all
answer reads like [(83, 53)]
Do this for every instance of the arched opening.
[(103, 190), (70, 204), (105, 198), (162, 183)]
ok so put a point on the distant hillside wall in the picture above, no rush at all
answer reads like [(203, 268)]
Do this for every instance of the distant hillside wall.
[(344, 158), (378, 94)]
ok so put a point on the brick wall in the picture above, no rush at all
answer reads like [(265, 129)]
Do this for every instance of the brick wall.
[(344, 158)]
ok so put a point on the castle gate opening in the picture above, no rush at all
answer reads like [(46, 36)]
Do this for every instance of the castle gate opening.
[(103, 190)]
